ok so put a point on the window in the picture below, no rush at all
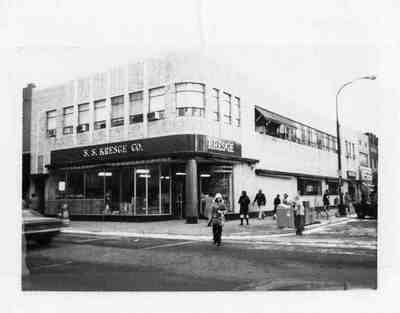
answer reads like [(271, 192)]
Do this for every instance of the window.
[(156, 99), (309, 186), (332, 187), (226, 108), (335, 145), (51, 123), (136, 107), (94, 184), (68, 120), (363, 159), (236, 111), (190, 99), (117, 111), (83, 118), (319, 137), (100, 114), (354, 152), (214, 105), (75, 185)]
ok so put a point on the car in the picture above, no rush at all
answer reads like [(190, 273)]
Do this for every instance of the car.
[(366, 208), (39, 228)]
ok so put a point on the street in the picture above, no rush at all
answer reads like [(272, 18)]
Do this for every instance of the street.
[(342, 256)]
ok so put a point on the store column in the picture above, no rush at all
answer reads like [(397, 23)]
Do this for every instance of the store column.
[(191, 198)]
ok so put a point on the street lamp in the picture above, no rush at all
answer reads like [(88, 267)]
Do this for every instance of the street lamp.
[(372, 77)]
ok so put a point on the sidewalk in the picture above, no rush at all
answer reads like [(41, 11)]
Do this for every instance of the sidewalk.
[(178, 229)]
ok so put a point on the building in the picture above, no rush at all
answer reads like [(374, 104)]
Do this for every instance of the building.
[(158, 138), (26, 138), (373, 156)]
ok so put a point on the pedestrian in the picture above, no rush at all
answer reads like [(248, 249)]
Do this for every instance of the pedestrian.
[(286, 199), (260, 200), (277, 201), (325, 200), (244, 202), (217, 211), (347, 202), (299, 215)]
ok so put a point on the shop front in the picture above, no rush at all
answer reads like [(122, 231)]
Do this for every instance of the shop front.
[(164, 177)]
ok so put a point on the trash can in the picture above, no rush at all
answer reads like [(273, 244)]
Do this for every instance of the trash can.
[(284, 216), (308, 213)]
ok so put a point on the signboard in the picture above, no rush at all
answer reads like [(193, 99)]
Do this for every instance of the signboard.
[(61, 185), (351, 175), (145, 148)]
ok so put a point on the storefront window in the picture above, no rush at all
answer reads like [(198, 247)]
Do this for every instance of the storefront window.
[(95, 184), (142, 175), (113, 184), (215, 182), (165, 183), (309, 187), (153, 191), (332, 187), (75, 185)]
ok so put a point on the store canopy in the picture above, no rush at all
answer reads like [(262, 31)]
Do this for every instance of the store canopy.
[(279, 119)]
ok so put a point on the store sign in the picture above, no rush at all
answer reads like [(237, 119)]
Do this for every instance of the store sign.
[(215, 144), (157, 147), (112, 149), (351, 174), (366, 174)]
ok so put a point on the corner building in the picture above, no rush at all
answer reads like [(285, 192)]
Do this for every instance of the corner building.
[(157, 139)]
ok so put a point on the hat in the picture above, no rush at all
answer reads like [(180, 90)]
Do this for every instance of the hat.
[(218, 196)]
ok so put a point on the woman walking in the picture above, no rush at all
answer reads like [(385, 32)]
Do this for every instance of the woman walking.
[(217, 211)]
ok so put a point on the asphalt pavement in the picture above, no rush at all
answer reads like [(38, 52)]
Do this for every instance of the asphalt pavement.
[(339, 256)]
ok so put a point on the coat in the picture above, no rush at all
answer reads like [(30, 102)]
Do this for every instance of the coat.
[(260, 199), (244, 202)]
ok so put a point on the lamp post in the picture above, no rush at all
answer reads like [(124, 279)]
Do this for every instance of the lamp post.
[(372, 77)]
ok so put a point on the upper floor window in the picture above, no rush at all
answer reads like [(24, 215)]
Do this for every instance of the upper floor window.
[(156, 104), (236, 111), (190, 99), (68, 120), (117, 111), (354, 151), (214, 104), (136, 107), (51, 123), (100, 114), (83, 118), (226, 110), (363, 159)]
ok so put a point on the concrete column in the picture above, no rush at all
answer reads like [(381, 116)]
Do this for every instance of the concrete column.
[(191, 198)]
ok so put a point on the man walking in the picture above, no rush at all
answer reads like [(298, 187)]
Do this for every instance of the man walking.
[(244, 202), (277, 201), (325, 200), (260, 201), (299, 216)]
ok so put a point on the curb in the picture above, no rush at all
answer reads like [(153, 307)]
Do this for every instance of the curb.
[(308, 229)]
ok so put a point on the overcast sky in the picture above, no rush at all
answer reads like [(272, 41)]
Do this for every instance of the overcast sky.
[(301, 51)]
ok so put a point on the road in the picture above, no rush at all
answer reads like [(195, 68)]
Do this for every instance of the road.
[(343, 256)]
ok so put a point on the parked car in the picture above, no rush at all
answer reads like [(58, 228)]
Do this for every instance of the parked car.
[(366, 208), (39, 228)]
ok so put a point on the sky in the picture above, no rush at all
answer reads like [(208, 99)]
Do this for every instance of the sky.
[(300, 51)]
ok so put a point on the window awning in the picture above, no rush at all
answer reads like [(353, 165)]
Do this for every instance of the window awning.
[(276, 117)]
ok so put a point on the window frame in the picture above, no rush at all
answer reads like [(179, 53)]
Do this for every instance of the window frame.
[(224, 116), (161, 113), (137, 117), (236, 120), (79, 128), (192, 111), (51, 132), (68, 129), (119, 120), (99, 124)]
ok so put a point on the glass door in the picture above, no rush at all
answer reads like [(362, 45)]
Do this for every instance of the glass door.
[(141, 176)]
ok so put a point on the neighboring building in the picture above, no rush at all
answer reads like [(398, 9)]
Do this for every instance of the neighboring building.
[(373, 156), (159, 138), (26, 138)]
